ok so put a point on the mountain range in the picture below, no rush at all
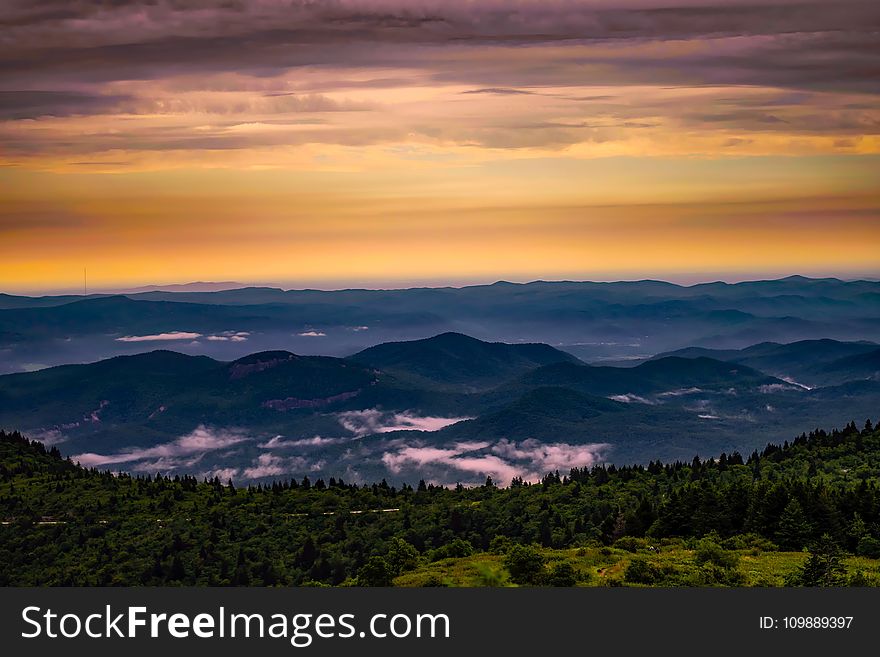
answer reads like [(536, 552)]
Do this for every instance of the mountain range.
[(448, 408), (811, 363), (596, 322)]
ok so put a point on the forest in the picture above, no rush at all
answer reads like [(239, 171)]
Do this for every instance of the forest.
[(803, 513)]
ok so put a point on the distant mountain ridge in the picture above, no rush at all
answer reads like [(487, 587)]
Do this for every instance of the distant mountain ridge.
[(808, 362), (591, 321), (196, 286)]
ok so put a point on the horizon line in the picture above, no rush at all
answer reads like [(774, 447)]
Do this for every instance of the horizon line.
[(225, 286)]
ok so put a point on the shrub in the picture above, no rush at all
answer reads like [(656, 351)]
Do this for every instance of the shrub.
[(376, 572), (488, 576), (454, 550), (630, 543), (868, 547), (859, 579), (499, 545), (642, 571), (753, 542), (401, 556), (525, 564), (709, 552), (711, 574), (433, 581), (562, 574)]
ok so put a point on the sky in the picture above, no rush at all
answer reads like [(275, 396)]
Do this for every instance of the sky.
[(368, 142)]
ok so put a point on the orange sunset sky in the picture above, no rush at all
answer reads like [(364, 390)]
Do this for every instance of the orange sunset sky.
[(377, 142)]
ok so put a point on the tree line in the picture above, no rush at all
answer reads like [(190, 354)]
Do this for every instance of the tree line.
[(67, 525)]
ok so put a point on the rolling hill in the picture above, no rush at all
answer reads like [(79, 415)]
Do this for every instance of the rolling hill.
[(669, 375), (809, 362), (546, 414), (453, 359), (404, 408)]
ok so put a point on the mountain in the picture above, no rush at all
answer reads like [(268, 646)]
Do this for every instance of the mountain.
[(861, 366), (593, 321), (13, 302), (809, 362), (156, 396), (546, 414), (670, 376), (120, 316), (453, 359), (197, 286), (449, 404)]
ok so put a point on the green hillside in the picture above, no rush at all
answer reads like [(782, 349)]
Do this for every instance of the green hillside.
[(139, 398), (729, 521)]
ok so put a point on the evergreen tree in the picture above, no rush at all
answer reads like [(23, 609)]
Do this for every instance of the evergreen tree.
[(794, 529), (823, 567)]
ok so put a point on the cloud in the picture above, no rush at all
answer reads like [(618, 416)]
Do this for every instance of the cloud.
[(166, 464), (225, 336), (630, 398), (500, 91), (312, 334), (28, 104), (503, 460), (272, 465), (197, 443), (551, 456), (48, 437), (264, 76), (95, 41), (371, 421), (771, 388), (265, 465), (795, 383), (173, 335), (224, 474), (681, 392), (229, 336), (316, 441)]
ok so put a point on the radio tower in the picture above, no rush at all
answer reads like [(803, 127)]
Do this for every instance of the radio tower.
[(85, 285)]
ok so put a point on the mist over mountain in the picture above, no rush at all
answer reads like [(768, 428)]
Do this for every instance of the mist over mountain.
[(450, 408), (595, 322)]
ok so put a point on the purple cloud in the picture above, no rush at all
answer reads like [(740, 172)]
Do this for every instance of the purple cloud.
[(200, 441), (371, 421), (504, 460)]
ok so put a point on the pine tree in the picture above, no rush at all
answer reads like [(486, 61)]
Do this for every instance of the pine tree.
[(794, 529), (824, 566)]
